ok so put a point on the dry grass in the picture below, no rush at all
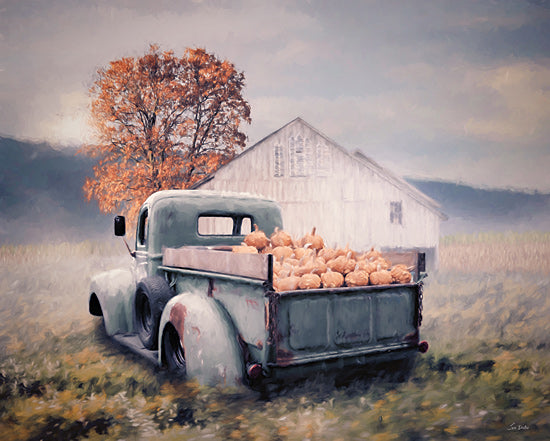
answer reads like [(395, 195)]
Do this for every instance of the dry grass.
[(496, 253), (51, 252), (486, 375)]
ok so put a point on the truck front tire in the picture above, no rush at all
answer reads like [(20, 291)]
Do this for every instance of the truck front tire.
[(152, 294)]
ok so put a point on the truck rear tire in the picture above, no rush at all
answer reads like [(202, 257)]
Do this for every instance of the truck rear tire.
[(152, 294), (173, 354)]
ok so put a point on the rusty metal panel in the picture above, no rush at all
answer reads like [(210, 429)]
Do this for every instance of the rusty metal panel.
[(394, 314), (352, 320), (327, 324), (308, 319), (212, 352), (246, 305), (243, 299)]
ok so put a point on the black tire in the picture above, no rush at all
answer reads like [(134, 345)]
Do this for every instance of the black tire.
[(152, 294), (173, 354)]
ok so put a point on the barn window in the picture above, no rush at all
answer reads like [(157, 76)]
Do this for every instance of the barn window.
[(396, 213), (300, 157), (278, 161), (322, 160)]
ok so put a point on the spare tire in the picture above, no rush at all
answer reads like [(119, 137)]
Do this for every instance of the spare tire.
[(152, 294)]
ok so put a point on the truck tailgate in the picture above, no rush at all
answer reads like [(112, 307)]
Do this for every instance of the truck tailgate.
[(317, 325)]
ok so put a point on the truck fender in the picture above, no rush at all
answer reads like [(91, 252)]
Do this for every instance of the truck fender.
[(112, 295), (209, 339)]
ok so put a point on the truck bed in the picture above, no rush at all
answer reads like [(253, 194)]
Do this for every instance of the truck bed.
[(306, 328)]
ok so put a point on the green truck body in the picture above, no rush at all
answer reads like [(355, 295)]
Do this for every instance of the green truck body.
[(192, 305)]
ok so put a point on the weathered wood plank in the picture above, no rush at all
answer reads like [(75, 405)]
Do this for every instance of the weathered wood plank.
[(255, 266)]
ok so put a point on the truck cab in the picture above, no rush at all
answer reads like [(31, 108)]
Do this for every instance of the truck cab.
[(176, 218)]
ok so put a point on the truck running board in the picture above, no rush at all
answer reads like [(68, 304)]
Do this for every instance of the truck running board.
[(132, 342)]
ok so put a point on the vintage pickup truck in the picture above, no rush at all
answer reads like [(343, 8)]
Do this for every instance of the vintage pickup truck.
[(192, 305)]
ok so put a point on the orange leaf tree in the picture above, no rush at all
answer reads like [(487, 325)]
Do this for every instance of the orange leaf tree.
[(162, 122)]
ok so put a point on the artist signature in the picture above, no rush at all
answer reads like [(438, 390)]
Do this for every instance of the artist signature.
[(517, 427)]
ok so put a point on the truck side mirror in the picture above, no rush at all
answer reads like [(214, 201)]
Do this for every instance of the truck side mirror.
[(120, 226), (120, 230)]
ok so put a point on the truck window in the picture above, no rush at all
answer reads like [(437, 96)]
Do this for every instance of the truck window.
[(224, 225), (142, 227), (246, 226)]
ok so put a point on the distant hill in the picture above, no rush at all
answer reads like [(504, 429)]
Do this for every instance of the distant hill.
[(477, 209), (41, 199)]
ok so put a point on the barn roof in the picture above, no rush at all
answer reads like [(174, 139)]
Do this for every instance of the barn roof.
[(358, 156)]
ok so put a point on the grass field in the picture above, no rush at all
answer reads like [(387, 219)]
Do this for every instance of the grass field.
[(486, 376)]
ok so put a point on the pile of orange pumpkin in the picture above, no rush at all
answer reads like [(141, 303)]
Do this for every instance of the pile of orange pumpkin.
[(307, 263)]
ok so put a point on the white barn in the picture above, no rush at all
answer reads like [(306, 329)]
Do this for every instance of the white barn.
[(348, 197)]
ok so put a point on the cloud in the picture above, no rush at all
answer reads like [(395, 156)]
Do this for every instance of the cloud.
[(54, 50), (524, 90), (429, 82), (483, 126), (71, 123)]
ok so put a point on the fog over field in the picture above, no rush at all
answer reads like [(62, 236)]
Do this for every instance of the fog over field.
[(42, 200)]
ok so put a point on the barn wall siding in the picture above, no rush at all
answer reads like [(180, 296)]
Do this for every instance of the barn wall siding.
[(344, 199)]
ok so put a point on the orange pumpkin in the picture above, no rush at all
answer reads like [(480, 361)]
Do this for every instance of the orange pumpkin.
[(244, 249), (291, 261), (350, 265), (315, 240), (357, 278), (382, 264), (309, 281), (364, 265), (282, 252), (332, 279), (347, 251), (282, 270), (373, 254), (319, 266), (306, 266), (401, 274), (300, 252), (382, 277), (280, 238), (289, 283), (338, 264), (256, 239), (327, 254)]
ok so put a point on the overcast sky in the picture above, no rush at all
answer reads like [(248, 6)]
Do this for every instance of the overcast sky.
[(457, 90)]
